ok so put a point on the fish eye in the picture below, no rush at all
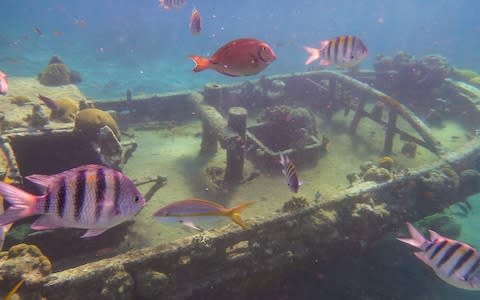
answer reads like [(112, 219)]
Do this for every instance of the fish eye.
[(136, 199)]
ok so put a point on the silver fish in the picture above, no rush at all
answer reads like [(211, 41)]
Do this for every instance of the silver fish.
[(455, 262), (93, 197)]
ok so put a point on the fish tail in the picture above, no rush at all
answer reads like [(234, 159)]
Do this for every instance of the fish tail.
[(313, 53), (22, 204), (201, 63), (416, 238), (235, 213)]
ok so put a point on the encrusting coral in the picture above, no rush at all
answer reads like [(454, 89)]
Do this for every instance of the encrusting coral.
[(57, 74), (90, 120)]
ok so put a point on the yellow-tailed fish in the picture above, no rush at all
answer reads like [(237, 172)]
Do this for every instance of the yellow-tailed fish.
[(189, 211), (14, 290), (455, 262)]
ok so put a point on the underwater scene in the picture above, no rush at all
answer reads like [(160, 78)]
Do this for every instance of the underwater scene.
[(180, 149)]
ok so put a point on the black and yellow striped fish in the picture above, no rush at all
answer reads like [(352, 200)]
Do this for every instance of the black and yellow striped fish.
[(93, 197), (454, 262), (344, 51)]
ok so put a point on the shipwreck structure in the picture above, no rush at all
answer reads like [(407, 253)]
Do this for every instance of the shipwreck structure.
[(236, 262)]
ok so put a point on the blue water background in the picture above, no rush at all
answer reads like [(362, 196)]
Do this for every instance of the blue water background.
[(140, 46)]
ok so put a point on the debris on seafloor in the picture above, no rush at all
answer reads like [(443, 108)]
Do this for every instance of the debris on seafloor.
[(24, 262), (38, 118), (409, 149), (295, 203)]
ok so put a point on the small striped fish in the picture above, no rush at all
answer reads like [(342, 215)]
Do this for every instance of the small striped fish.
[(92, 197), (168, 4), (344, 51), (290, 173), (454, 262)]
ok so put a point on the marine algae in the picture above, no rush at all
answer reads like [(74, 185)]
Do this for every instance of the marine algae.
[(90, 120)]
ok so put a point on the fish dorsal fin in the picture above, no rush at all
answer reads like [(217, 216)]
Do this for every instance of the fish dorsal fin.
[(41, 180), (434, 235), (93, 232)]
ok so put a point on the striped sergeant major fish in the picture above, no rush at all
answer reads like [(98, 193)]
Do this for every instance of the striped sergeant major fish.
[(344, 51), (169, 4), (454, 262), (290, 173), (93, 197)]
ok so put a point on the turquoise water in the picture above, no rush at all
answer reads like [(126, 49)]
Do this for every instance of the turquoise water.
[(136, 45)]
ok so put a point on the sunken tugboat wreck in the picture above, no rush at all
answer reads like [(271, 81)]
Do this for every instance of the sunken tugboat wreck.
[(376, 198)]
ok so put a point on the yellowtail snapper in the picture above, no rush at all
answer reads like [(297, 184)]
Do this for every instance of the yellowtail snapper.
[(190, 211), (290, 173), (456, 263), (344, 51), (93, 197)]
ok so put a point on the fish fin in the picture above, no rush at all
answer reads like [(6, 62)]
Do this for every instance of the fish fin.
[(313, 53), (191, 225), (93, 232), (324, 62), (201, 63), (422, 257), (3, 234), (324, 44), (46, 222), (416, 238), (434, 235), (14, 290), (235, 213), (22, 203), (41, 180)]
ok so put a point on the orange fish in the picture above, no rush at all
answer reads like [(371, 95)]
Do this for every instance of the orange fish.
[(241, 57), (80, 23), (195, 22)]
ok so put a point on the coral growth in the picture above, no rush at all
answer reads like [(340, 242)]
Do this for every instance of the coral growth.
[(66, 111), (25, 262), (295, 203), (57, 73), (414, 81), (19, 100), (292, 125), (386, 162), (90, 120)]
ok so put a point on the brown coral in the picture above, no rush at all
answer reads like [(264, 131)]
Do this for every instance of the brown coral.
[(25, 261), (90, 120), (55, 75), (66, 111)]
